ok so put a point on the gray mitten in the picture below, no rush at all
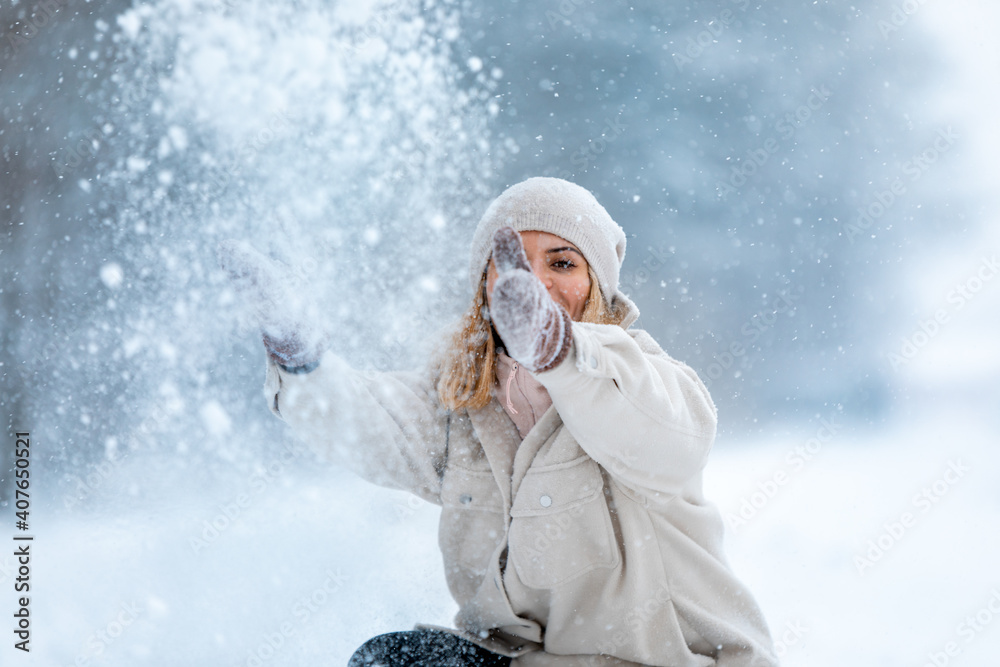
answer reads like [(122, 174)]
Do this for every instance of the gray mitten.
[(285, 312), (536, 331)]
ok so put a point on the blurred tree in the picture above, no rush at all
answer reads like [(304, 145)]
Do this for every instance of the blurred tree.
[(736, 142), (45, 256)]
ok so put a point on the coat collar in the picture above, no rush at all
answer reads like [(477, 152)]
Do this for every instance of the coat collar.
[(523, 398)]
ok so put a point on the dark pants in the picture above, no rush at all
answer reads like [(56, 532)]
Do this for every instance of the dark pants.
[(424, 648)]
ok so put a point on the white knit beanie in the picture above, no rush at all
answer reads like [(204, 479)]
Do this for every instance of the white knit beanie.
[(567, 210)]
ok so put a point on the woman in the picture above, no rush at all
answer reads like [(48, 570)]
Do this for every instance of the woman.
[(565, 449)]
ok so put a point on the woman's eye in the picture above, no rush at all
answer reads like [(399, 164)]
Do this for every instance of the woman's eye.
[(563, 264)]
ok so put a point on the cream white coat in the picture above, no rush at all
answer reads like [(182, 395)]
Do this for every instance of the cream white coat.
[(587, 543)]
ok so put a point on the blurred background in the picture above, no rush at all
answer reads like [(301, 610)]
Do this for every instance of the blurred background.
[(807, 191)]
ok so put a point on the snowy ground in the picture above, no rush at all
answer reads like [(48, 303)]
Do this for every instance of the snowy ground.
[(314, 561), (808, 551)]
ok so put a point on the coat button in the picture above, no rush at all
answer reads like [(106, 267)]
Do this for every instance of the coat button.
[(465, 499), (545, 501)]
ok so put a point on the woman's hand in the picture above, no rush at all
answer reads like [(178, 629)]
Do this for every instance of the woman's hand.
[(280, 305), (535, 330)]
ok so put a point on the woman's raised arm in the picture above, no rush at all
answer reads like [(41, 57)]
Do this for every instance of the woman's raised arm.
[(386, 427), (645, 417)]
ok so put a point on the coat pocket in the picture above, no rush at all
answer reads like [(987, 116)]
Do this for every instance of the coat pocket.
[(560, 527), (472, 523)]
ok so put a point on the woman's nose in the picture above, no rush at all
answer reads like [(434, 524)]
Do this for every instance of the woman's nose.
[(538, 268)]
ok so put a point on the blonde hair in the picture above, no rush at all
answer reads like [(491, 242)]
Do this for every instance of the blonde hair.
[(468, 367)]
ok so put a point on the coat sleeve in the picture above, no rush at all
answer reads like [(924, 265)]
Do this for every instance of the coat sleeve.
[(643, 416), (386, 427)]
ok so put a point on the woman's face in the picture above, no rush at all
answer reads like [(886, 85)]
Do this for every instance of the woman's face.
[(560, 267)]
